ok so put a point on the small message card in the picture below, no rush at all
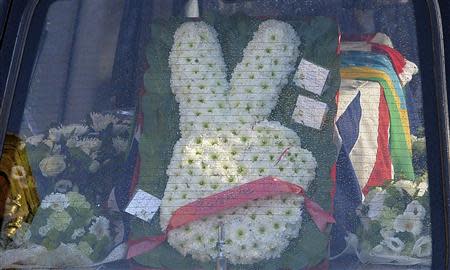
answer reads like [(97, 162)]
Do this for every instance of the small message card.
[(143, 205), (310, 112), (311, 77)]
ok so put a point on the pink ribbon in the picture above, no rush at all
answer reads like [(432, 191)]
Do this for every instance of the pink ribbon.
[(237, 196)]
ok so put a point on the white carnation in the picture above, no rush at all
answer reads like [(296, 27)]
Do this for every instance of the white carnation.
[(55, 201)]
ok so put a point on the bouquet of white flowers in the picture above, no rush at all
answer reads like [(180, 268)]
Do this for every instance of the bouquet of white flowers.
[(66, 231), (395, 223), (81, 157)]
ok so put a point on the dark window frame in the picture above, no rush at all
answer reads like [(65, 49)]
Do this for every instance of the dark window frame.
[(19, 47)]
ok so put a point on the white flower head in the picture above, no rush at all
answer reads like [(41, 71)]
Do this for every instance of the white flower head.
[(74, 130), (120, 144), (89, 145), (101, 121), (52, 165), (416, 209), (55, 201), (394, 244), (407, 185), (408, 222), (422, 247), (100, 227), (77, 233), (35, 140)]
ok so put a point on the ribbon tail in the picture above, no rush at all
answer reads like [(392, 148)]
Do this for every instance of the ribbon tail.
[(143, 245), (320, 217)]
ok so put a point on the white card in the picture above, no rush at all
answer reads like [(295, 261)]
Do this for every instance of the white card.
[(143, 205), (311, 77), (310, 112)]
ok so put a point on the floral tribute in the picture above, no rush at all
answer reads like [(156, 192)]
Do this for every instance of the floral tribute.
[(396, 220), (80, 157), (227, 141), (68, 219)]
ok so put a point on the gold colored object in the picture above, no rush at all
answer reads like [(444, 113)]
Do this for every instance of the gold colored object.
[(14, 206), (21, 201)]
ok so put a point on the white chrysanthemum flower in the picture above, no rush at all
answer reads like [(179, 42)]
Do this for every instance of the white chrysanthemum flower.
[(416, 209), (85, 248), (55, 201), (120, 144), (376, 205), (100, 227), (74, 130), (422, 247), (59, 220), (394, 244), (407, 185), (52, 165), (101, 121), (77, 233), (89, 145), (35, 140), (408, 222)]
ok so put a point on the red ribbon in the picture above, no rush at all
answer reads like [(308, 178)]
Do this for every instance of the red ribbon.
[(211, 205)]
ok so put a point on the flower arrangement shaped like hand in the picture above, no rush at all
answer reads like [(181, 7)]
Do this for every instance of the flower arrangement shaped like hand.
[(227, 141)]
